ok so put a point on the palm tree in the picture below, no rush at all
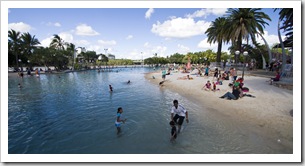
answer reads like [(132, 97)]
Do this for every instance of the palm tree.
[(14, 41), (29, 43), (57, 42), (286, 16), (245, 23), (216, 33), (71, 51)]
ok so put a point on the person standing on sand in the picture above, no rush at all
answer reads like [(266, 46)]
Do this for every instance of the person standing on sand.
[(118, 120), (163, 74), (178, 112), (207, 71)]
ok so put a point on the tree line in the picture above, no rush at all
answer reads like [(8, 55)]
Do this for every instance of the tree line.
[(238, 25)]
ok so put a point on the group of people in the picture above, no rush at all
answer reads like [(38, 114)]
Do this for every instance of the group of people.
[(178, 114)]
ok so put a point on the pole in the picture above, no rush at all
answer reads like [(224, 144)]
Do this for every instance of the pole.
[(245, 53)]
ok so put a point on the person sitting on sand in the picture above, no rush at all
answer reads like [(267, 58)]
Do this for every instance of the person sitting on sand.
[(240, 81), (225, 76), (185, 78), (236, 94), (214, 87), (277, 77), (207, 86), (219, 81)]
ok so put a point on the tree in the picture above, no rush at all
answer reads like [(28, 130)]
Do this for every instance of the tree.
[(14, 43), (245, 23), (57, 42), (286, 16), (71, 52), (28, 43), (216, 33)]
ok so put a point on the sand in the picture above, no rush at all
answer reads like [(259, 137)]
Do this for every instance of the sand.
[(268, 112)]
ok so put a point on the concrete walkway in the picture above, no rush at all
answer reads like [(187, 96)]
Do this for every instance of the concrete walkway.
[(286, 82)]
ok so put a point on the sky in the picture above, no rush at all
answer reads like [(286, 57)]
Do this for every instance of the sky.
[(131, 33)]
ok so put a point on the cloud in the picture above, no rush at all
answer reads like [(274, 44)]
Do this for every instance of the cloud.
[(180, 28), (205, 12), (81, 43), (57, 24), (146, 45), (66, 37), (160, 50), (85, 30), (271, 39), (182, 49), (148, 13), (46, 42), (205, 45), (107, 43), (129, 37), (20, 27)]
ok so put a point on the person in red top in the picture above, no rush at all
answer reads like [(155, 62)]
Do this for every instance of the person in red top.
[(277, 77)]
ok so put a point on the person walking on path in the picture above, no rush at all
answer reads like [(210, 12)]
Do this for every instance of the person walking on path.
[(178, 112)]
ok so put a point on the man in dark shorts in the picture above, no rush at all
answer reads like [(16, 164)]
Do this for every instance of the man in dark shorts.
[(178, 112)]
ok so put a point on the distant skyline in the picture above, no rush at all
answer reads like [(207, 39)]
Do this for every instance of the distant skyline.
[(130, 33)]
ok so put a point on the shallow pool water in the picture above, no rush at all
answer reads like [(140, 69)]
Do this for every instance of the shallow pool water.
[(74, 113)]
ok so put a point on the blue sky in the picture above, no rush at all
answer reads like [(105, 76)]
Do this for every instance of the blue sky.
[(128, 32)]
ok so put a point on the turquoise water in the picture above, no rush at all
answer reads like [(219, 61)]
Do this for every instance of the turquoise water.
[(74, 113)]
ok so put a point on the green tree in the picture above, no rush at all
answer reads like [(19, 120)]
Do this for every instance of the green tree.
[(71, 52), (245, 23), (216, 33), (29, 44), (57, 42), (286, 17), (14, 40)]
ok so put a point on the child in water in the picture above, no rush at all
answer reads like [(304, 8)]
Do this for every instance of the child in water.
[(110, 88), (173, 131), (118, 120)]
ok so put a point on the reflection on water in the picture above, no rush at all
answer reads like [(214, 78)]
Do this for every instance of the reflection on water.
[(74, 113)]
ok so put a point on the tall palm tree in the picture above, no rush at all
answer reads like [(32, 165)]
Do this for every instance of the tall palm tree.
[(29, 43), (14, 41), (57, 42), (71, 52), (245, 23), (216, 33), (286, 16)]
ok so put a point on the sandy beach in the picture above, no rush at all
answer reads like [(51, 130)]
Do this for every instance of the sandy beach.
[(268, 112)]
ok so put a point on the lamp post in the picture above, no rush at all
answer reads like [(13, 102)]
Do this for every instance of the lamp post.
[(19, 60), (142, 59), (106, 49), (29, 65), (236, 55), (245, 53)]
